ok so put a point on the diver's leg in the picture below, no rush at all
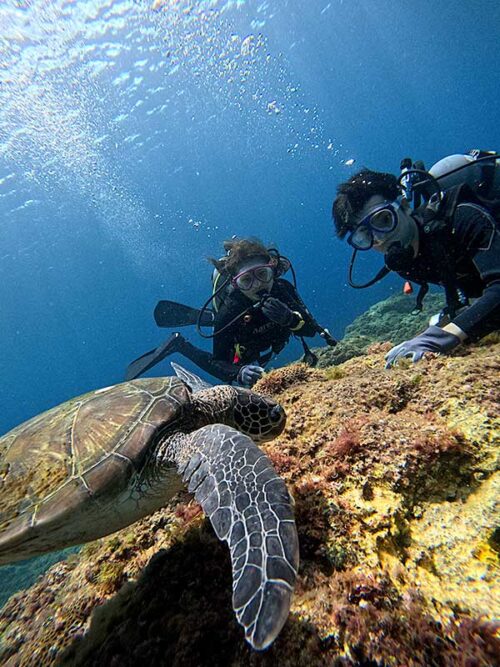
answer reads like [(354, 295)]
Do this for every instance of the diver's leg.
[(146, 361), (176, 343), (222, 370)]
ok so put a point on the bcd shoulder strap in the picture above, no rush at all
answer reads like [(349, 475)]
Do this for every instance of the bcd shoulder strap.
[(437, 215), (219, 294), (437, 221)]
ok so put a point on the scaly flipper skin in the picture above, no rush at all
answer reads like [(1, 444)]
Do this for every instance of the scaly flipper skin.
[(250, 508)]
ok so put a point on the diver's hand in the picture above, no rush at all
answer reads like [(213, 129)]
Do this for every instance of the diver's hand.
[(249, 375), (277, 311), (432, 339)]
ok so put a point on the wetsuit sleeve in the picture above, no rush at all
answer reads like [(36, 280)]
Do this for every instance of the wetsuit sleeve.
[(479, 236), (290, 296)]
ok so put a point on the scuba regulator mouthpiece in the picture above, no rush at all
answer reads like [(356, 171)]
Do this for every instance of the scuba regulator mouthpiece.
[(263, 296)]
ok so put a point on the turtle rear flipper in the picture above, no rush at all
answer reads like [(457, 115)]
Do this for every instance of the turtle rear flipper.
[(250, 508)]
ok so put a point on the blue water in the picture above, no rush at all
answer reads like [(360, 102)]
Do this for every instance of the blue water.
[(134, 141)]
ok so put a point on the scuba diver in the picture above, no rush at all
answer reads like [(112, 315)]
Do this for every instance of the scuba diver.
[(451, 237), (254, 313)]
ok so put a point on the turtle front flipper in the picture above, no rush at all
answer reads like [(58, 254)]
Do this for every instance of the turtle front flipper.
[(250, 508)]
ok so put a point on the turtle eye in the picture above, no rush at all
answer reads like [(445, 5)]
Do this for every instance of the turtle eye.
[(276, 414)]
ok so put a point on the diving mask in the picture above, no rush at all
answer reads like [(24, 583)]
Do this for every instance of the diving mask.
[(383, 220), (246, 279)]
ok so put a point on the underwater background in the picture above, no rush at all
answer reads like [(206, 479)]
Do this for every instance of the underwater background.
[(136, 136)]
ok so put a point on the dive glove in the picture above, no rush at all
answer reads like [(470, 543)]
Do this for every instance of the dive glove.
[(278, 312), (249, 375), (433, 339)]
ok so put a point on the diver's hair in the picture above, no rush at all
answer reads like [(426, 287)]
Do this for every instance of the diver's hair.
[(239, 251), (354, 193)]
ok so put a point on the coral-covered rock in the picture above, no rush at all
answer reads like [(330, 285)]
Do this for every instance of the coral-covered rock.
[(390, 320), (21, 575), (396, 481), (275, 382)]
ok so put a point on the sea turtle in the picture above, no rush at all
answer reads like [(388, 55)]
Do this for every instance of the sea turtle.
[(99, 462)]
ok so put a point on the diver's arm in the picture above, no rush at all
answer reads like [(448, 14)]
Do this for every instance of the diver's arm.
[(455, 331), (479, 234), (225, 371), (477, 239), (304, 324)]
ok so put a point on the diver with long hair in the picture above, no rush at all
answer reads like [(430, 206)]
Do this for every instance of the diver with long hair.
[(254, 313)]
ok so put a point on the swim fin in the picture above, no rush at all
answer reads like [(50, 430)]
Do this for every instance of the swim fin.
[(172, 314), (151, 358)]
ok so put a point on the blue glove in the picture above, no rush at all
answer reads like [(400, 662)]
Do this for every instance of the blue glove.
[(432, 339), (249, 375), (277, 311)]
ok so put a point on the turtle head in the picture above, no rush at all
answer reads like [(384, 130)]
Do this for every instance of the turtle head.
[(257, 416)]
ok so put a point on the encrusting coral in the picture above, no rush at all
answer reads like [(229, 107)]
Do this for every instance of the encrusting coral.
[(396, 483), (392, 319)]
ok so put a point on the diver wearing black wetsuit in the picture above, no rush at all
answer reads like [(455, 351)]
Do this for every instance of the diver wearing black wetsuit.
[(464, 257), (255, 313), (254, 337), (452, 241)]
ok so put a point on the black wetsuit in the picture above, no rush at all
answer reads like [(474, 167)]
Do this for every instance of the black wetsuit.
[(463, 255), (253, 338)]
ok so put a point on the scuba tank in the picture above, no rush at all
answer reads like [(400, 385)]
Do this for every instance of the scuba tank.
[(479, 170)]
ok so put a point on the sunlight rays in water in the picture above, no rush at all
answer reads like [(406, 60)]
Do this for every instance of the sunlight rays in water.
[(51, 100), (91, 91)]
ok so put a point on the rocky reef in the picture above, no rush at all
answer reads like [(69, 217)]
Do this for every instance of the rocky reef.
[(19, 576), (396, 483), (393, 319)]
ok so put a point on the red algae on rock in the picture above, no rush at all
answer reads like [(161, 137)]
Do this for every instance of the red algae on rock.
[(396, 484)]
